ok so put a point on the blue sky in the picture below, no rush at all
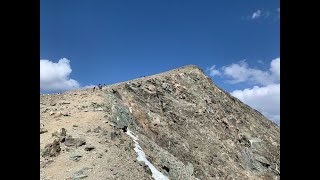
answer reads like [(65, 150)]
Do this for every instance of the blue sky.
[(113, 41)]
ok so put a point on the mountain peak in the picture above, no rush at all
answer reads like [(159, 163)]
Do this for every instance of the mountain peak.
[(177, 125)]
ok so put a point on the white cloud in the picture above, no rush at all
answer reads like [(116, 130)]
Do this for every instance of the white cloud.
[(256, 14), (55, 76), (213, 71), (275, 68), (241, 72), (265, 98)]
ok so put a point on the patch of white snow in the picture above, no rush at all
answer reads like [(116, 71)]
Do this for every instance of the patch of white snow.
[(157, 175)]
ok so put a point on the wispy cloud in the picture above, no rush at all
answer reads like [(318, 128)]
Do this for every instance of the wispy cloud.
[(55, 76), (264, 14), (256, 14), (213, 71), (265, 93)]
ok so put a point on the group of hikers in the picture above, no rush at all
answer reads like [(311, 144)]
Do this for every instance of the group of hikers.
[(99, 87)]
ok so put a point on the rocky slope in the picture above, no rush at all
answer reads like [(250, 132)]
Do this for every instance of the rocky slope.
[(188, 128)]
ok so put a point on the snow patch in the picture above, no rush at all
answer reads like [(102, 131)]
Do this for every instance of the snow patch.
[(157, 175)]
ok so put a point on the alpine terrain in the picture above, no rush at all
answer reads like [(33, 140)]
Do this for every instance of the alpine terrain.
[(174, 125)]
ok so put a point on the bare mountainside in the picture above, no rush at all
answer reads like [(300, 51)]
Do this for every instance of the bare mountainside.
[(178, 123)]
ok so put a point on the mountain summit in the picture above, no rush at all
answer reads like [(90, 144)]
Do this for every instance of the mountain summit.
[(173, 125)]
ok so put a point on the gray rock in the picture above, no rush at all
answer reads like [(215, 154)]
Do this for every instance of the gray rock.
[(190, 168), (147, 169), (97, 130), (99, 109), (61, 134), (262, 160), (89, 148), (120, 116), (66, 114), (63, 103), (121, 141), (74, 142), (43, 130), (75, 157), (51, 150), (112, 135), (79, 175), (45, 110), (45, 163)]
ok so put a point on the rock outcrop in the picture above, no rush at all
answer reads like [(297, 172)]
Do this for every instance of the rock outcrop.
[(187, 126)]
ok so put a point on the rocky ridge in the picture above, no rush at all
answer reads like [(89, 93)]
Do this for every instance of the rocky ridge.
[(188, 127)]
